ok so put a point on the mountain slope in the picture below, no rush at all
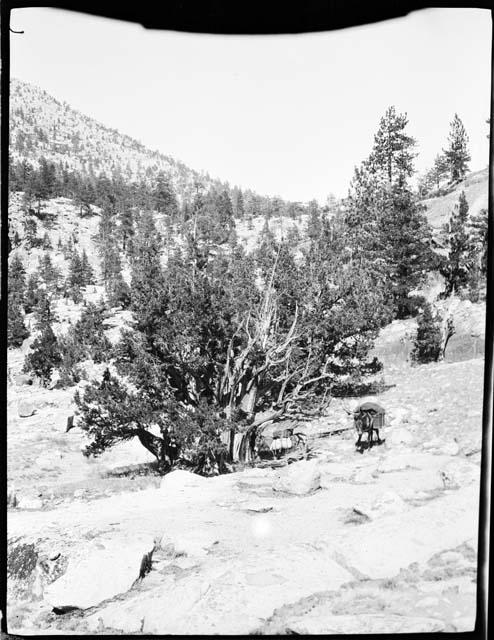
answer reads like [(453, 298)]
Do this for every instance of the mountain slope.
[(41, 126), (476, 188)]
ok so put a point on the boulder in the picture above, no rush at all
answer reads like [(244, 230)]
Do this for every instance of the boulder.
[(26, 409), (450, 448), (300, 478), (22, 379), (101, 571), (181, 481)]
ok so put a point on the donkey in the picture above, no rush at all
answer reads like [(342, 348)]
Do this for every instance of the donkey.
[(364, 423)]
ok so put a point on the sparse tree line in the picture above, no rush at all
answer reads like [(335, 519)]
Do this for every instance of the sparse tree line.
[(222, 339)]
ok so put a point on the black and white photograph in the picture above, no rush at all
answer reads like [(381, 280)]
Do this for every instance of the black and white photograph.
[(246, 326)]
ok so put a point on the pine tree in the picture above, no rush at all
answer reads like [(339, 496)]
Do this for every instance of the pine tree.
[(457, 154), (427, 344), (239, 203), (385, 226), (16, 240), (32, 292), (459, 263), (126, 228), (314, 225), (165, 199), (84, 340), (440, 169), (111, 265), (147, 274), (16, 329), (75, 271), (87, 272), (45, 352), (50, 274), (17, 279), (392, 153), (31, 233), (479, 235), (46, 242)]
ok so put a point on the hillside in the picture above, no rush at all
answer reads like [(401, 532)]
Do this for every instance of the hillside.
[(476, 188), (41, 126)]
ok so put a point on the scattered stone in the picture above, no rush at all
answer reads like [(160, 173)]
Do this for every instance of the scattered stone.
[(60, 611), (356, 516), (253, 508), (26, 409), (300, 478)]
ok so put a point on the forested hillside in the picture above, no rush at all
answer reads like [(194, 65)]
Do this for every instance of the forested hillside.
[(233, 319), (80, 158)]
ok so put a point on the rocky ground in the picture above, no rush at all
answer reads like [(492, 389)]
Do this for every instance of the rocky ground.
[(341, 543)]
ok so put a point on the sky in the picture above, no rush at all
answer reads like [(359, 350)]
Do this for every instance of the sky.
[(287, 115)]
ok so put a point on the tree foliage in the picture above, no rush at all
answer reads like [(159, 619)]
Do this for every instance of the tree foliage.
[(457, 153), (45, 355), (427, 343), (461, 256)]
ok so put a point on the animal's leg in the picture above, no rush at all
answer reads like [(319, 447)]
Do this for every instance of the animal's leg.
[(378, 436), (359, 439), (371, 430)]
